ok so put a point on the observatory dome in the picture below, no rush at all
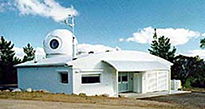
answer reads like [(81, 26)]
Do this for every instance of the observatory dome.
[(60, 42)]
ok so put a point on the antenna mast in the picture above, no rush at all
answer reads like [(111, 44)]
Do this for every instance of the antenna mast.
[(72, 25), (72, 18)]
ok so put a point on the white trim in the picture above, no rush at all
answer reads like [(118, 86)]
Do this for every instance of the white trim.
[(117, 91), (91, 70), (90, 84), (169, 81), (90, 73), (62, 71)]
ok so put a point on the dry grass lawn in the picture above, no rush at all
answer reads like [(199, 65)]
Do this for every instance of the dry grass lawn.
[(39, 100)]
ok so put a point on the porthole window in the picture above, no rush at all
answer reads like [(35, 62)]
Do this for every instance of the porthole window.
[(54, 44)]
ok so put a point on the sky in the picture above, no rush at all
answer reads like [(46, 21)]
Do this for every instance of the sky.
[(106, 24)]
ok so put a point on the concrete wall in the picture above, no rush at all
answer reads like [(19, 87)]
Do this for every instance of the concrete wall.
[(106, 86), (155, 81), (47, 78), (109, 80), (150, 81)]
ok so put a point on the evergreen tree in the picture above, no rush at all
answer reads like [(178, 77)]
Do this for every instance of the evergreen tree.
[(8, 73), (162, 47), (202, 43), (30, 53)]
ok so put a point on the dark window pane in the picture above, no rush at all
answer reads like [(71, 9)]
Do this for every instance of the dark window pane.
[(119, 79), (124, 78), (91, 79), (64, 77)]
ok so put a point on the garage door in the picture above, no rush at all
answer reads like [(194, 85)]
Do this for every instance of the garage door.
[(157, 81)]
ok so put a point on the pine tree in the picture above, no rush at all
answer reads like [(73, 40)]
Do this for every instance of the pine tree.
[(30, 53), (8, 73), (202, 43), (162, 47)]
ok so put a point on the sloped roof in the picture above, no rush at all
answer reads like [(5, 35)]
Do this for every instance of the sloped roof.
[(88, 61), (124, 66), (117, 56)]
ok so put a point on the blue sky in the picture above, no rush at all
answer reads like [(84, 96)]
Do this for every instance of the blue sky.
[(127, 24)]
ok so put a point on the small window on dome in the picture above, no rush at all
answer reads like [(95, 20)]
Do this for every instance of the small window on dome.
[(54, 44)]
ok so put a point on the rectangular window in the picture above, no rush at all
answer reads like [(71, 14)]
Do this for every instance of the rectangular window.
[(91, 78), (124, 78), (64, 77)]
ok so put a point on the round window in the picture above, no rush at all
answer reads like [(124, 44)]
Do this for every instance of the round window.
[(54, 44)]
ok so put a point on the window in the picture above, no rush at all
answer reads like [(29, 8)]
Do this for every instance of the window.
[(124, 78), (91, 78), (64, 77)]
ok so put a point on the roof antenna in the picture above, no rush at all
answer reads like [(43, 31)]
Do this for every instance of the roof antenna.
[(71, 16)]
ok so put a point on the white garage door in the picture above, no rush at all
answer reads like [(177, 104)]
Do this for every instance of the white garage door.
[(157, 81)]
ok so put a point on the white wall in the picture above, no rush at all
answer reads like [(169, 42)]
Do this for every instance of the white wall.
[(47, 78), (150, 81), (106, 86), (137, 87), (155, 81)]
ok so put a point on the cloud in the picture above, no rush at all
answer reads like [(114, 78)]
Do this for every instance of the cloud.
[(20, 54), (200, 53), (44, 8), (85, 48), (178, 36), (96, 48), (121, 40), (203, 34)]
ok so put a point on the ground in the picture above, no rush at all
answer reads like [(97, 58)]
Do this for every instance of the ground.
[(194, 100), (48, 100)]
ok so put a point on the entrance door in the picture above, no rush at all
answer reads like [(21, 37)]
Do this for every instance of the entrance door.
[(123, 84)]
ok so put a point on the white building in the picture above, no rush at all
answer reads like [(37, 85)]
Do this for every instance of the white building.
[(62, 71)]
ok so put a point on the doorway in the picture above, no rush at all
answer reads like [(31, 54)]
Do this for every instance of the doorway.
[(123, 82)]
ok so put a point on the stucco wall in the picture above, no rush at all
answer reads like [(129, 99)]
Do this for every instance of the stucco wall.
[(106, 86), (47, 78), (155, 81)]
